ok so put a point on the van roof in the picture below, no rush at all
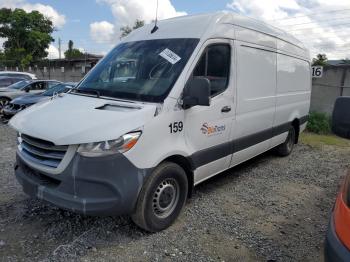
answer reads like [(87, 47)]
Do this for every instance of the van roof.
[(197, 26)]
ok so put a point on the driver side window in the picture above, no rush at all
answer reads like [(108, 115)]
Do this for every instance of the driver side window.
[(214, 65), (38, 86)]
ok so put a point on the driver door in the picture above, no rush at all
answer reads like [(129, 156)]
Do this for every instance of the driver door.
[(208, 128)]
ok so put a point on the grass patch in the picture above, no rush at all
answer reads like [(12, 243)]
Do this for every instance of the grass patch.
[(319, 123), (316, 140)]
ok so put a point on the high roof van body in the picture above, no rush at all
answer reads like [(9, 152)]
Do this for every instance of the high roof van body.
[(161, 113)]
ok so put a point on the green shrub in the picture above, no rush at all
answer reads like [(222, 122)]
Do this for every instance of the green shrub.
[(319, 123)]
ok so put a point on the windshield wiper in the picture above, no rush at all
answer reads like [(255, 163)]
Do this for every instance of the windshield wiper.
[(86, 91)]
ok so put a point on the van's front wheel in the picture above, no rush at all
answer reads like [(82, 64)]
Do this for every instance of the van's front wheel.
[(287, 147), (161, 198)]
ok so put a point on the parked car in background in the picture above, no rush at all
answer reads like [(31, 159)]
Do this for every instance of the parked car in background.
[(341, 117), (6, 81), (25, 87), (22, 102), (23, 75), (337, 247)]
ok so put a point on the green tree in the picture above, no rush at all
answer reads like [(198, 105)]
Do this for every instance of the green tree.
[(320, 60), (28, 35), (346, 61), (127, 29), (73, 53)]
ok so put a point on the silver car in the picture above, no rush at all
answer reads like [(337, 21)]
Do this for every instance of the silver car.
[(22, 88), (24, 75)]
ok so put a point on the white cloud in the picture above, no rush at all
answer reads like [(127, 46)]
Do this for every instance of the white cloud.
[(102, 32), (53, 52), (2, 41), (266, 9), (48, 11), (320, 24), (126, 12)]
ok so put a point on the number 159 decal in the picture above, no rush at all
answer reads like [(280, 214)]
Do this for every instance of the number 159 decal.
[(176, 127)]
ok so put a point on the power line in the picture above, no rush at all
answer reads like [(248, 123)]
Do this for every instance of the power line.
[(319, 21), (312, 14), (319, 27), (329, 25), (311, 35), (327, 31), (59, 48)]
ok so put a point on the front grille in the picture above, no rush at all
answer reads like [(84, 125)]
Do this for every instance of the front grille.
[(39, 177), (42, 152)]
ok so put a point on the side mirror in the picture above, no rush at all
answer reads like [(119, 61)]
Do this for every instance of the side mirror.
[(26, 89), (196, 92)]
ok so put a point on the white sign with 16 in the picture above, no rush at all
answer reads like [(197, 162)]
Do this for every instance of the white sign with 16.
[(317, 71)]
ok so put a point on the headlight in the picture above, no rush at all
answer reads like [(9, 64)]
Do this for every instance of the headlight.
[(120, 145)]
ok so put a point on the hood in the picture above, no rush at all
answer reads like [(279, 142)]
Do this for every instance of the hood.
[(74, 119), (29, 100)]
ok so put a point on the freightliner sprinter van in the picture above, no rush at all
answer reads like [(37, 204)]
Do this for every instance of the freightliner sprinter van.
[(165, 110)]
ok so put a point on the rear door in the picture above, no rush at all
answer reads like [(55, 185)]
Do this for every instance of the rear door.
[(207, 128)]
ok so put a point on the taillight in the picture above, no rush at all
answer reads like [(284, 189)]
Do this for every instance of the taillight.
[(342, 213)]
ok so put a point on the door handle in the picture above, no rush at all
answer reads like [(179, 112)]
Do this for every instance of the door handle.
[(226, 109)]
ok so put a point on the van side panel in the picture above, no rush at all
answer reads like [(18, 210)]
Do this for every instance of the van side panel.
[(293, 91), (291, 49), (255, 109), (250, 36)]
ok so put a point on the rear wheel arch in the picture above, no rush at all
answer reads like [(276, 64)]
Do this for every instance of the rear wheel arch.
[(296, 125), (5, 97)]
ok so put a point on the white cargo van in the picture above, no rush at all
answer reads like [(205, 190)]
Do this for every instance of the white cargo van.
[(162, 112)]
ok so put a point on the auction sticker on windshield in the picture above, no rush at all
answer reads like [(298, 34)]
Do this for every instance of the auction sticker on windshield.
[(170, 56)]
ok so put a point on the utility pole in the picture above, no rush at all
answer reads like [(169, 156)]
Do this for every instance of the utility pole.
[(59, 48)]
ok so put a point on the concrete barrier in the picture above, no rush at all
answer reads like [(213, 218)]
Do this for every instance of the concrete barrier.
[(335, 82)]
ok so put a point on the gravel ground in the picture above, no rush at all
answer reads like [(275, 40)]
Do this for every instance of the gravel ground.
[(269, 209)]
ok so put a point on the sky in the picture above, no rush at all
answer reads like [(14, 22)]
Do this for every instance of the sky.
[(94, 25)]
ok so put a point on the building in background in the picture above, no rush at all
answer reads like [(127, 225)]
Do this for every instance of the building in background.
[(65, 70)]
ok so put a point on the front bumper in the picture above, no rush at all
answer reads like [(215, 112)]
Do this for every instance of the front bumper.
[(334, 249), (107, 185)]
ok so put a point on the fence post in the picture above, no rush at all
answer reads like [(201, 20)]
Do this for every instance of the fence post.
[(343, 81)]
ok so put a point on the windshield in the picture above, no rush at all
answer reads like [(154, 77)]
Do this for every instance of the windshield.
[(142, 70), (19, 85), (60, 88)]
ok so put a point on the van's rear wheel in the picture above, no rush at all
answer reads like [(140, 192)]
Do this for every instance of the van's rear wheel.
[(161, 198), (287, 147)]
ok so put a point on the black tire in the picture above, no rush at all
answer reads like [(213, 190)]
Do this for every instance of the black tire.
[(162, 198), (3, 102), (287, 147)]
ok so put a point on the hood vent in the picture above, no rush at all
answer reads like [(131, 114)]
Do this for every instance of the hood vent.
[(117, 107)]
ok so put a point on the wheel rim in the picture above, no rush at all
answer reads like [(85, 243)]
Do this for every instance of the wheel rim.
[(165, 198), (3, 103)]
